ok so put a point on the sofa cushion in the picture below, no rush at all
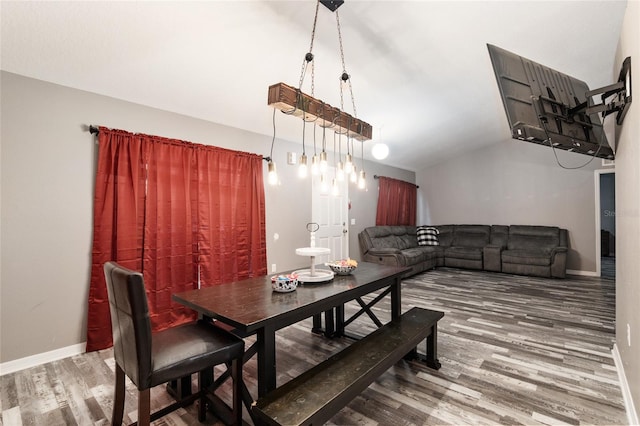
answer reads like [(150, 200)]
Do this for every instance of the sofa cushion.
[(407, 241), (469, 253), (499, 235), (527, 257), (431, 252), (523, 237), (400, 237), (390, 241), (445, 235), (427, 236), (413, 256), (476, 236)]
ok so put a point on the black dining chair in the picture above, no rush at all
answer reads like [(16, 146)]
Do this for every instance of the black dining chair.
[(151, 359)]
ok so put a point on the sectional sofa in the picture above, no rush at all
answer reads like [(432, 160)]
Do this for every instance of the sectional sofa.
[(515, 249)]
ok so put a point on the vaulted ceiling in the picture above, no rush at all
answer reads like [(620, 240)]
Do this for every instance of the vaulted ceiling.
[(420, 70)]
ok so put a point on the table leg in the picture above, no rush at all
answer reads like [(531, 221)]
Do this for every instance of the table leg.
[(339, 321), (329, 324), (396, 298), (329, 329), (180, 388), (266, 339)]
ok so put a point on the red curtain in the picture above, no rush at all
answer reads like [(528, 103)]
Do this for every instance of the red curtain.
[(231, 219), (149, 216), (396, 202), (118, 219), (170, 247)]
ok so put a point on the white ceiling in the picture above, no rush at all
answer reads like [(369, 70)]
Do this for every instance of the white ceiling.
[(420, 69)]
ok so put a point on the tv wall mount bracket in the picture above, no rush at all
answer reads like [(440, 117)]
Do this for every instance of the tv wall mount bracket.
[(620, 91)]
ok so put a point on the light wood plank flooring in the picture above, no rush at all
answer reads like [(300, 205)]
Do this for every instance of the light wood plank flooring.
[(514, 350)]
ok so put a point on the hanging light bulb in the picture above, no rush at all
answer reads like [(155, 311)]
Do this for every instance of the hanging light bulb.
[(361, 181), (315, 165), (348, 164), (353, 176), (302, 169), (272, 175), (323, 162), (340, 171), (324, 185), (335, 190)]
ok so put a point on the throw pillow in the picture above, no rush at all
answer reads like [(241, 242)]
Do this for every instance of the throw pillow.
[(427, 236)]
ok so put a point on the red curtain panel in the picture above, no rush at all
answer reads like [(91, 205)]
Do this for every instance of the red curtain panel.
[(231, 219), (170, 248), (396, 202), (118, 221), (181, 213)]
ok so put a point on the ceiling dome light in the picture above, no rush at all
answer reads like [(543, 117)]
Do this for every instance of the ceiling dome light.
[(380, 151)]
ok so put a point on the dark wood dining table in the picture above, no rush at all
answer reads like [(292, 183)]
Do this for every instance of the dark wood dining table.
[(250, 306)]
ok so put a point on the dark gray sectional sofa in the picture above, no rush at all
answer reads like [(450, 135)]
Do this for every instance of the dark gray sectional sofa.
[(515, 249)]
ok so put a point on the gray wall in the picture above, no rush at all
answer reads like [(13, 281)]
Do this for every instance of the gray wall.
[(47, 176), (628, 213), (515, 183)]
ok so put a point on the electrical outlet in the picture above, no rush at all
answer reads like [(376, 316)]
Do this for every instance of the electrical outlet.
[(273, 267), (628, 334)]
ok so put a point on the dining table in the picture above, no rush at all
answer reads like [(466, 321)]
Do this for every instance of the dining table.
[(250, 306)]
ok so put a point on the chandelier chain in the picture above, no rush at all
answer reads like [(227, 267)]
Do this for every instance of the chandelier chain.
[(344, 70), (313, 77), (309, 56)]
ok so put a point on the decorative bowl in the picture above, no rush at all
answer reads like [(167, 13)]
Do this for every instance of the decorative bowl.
[(343, 267), (284, 283)]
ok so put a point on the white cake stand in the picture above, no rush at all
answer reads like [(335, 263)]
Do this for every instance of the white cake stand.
[(313, 275)]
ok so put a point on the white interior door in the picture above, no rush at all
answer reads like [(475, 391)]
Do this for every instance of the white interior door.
[(331, 213)]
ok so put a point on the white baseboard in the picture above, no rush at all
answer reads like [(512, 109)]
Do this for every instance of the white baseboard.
[(632, 415), (582, 273), (43, 358)]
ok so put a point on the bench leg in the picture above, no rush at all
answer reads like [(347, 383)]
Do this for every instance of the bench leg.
[(317, 324), (413, 354), (432, 348)]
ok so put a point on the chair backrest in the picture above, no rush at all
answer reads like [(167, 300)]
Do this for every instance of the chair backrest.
[(129, 322)]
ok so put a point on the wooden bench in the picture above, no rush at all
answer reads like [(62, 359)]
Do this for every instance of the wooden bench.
[(319, 393)]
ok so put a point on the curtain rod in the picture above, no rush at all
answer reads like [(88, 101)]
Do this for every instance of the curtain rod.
[(378, 177), (94, 130)]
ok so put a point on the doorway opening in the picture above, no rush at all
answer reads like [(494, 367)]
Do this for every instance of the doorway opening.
[(606, 223)]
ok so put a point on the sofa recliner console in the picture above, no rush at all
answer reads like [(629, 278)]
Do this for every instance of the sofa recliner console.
[(515, 249)]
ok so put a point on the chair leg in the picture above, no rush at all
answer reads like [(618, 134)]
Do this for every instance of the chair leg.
[(236, 374), (144, 407), (202, 409), (118, 398)]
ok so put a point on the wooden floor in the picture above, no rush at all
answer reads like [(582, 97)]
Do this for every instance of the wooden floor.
[(608, 267), (514, 350)]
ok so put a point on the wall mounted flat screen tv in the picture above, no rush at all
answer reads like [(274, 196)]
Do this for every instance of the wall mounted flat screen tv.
[(545, 106)]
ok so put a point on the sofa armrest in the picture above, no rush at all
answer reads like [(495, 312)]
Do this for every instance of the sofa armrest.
[(384, 256), (492, 257), (558, 250), (559, 262)]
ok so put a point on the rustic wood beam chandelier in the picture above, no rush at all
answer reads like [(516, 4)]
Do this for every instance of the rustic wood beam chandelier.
[(293, 101)]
